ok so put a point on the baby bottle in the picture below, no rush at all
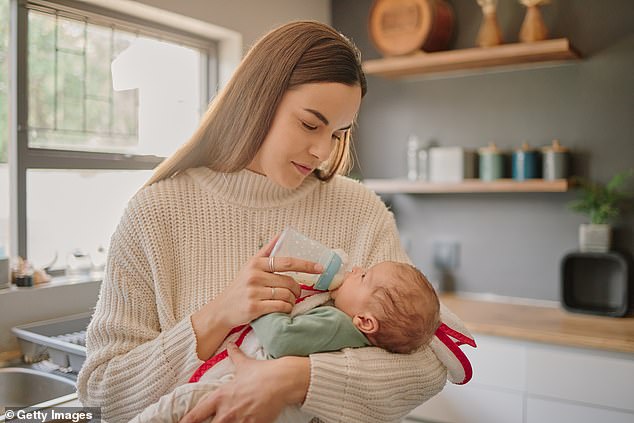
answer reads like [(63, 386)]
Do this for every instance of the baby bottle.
[(294, 244)]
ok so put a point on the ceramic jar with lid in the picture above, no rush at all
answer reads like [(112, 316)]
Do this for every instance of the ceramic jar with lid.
[(555, 161), (491, 163), (526, 163)]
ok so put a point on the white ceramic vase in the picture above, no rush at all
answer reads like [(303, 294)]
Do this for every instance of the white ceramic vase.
[(595, 238)]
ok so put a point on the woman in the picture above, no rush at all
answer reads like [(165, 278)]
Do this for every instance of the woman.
[(186, 263)]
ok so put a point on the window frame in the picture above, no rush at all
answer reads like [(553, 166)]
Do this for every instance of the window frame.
[(22, 158)]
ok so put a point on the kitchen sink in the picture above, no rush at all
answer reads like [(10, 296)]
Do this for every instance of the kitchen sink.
[(23, 387)]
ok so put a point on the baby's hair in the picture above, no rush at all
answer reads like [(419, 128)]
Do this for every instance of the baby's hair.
[(408, 312)]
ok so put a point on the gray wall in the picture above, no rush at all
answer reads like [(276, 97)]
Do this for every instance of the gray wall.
[(251, 18), (510, 244)]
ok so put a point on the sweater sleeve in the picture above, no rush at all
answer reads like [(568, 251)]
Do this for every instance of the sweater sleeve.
[(133, 358), (369, 384)]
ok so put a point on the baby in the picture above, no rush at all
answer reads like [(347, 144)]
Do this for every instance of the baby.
[(391, 305)]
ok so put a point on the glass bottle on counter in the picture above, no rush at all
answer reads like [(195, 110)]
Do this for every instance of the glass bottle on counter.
[(417, 159), (413, 146), (78, 264), (98, 262), (423, 162)]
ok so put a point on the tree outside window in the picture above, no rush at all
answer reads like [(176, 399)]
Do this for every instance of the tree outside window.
[(107, 100)]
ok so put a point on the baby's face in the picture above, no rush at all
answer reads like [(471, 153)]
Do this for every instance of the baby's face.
[(357, 287), (350, 297)]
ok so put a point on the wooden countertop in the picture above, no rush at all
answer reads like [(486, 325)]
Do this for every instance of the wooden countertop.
[(543, 323)]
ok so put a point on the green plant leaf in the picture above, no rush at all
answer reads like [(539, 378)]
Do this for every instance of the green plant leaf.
[(602, 202), (619, 180)]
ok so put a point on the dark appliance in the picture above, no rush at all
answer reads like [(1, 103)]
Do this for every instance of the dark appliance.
[(596, 283)]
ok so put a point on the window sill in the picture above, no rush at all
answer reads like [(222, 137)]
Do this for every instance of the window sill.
[(55, 282)]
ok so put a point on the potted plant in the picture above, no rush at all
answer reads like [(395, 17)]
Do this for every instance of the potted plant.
[(602, 203)]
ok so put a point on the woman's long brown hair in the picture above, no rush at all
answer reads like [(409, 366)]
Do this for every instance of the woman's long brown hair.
[(238, 119)]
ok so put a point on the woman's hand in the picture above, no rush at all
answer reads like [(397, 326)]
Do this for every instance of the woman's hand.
[(258, 392), (256, 290)]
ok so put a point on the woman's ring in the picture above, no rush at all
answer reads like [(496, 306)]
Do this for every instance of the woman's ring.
[(271, 264), (272, 293)]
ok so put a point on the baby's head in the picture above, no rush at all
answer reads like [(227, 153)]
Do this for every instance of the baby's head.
[(392, 303)]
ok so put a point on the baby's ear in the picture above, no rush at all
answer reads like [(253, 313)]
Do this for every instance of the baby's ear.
[(366, 323)]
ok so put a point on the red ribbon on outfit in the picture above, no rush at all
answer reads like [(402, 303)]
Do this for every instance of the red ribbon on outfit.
[(444, 333)]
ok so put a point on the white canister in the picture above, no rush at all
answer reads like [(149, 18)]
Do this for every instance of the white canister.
[(451, 164)]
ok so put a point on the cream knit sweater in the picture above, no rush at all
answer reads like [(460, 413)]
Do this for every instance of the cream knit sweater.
[(181, 241)]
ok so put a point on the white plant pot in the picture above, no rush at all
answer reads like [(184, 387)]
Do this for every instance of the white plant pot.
[(595, 238)]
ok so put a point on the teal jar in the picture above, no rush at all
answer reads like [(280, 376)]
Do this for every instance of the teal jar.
[(491, 163), (526, 163)]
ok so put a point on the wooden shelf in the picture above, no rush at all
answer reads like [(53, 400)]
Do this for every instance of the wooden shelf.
[(505, 55), (404, 186)]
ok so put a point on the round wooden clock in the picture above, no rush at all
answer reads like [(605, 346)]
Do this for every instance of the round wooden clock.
[(399, 27)]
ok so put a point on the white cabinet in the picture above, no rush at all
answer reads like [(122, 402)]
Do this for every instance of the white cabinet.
[(525, 382), (460, 404), (494, 395), (497, 363), (545, 411), (587, 376)]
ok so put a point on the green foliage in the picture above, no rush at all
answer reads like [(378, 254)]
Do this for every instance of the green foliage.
[(70, 94), (603, 203)]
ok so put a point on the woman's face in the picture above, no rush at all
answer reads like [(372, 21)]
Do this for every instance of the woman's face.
[(310, 120)]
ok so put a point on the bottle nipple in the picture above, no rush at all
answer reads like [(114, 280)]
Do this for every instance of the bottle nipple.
[(333, 271)]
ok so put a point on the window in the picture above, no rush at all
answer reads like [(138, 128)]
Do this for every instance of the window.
[(72, 102), (4, 123), (97, 88), (101, 99), (69, 207)]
